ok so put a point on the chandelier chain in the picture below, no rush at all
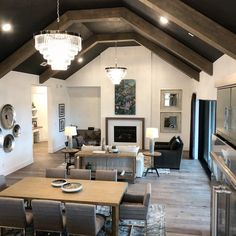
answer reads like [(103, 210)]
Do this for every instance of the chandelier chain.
[(58, 14)]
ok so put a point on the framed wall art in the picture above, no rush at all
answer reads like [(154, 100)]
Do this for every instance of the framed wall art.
[(125, 97), (61, 124), (61, 110), (171, 100), (170, 122)]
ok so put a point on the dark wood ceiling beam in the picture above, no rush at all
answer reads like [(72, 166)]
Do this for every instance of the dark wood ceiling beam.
[(111, 14), (146, 29), (122, 37), (172, 60), (166, 41), (196, 23)]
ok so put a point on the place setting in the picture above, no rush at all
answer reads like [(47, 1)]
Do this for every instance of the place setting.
[(68, 187)]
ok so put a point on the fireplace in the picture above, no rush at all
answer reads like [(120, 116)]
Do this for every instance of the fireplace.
[(125, 134), (125, 131)]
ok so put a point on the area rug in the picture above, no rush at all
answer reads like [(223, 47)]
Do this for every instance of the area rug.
[(155, 225)]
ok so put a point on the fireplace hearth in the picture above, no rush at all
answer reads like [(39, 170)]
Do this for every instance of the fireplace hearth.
[(125, 134)]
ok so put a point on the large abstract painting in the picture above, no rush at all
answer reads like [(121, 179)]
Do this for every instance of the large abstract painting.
[(125, 103)]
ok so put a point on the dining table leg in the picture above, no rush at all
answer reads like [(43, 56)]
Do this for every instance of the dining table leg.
[(115, 220)]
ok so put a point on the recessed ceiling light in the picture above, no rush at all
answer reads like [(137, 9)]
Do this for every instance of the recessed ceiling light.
[(163, 20), (190, 34), (6, 27), (80, 60), (44, 63)]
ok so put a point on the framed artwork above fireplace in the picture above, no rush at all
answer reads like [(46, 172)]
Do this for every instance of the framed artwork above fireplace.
[(125, 100)]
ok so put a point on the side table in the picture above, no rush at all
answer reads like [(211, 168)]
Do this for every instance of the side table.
[(69, 158), (152, 155)]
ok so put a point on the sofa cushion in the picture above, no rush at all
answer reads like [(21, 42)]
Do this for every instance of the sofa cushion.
[(131, 148), (175, 144), (90, 148)]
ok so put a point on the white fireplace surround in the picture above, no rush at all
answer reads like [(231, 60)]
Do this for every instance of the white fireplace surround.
[(137, 122)]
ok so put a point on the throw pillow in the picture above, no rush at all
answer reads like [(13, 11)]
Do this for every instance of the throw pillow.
[(172, 140), (175, 145)]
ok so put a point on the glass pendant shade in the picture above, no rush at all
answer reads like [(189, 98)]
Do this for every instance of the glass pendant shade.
[(116, 74), (59, 48)]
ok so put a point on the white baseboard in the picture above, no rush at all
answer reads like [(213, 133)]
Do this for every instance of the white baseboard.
[(17, 167)]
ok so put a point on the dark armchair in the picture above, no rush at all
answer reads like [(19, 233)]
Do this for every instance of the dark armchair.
[(171, 151)]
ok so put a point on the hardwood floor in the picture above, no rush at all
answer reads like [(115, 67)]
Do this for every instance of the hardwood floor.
[(185, 192)]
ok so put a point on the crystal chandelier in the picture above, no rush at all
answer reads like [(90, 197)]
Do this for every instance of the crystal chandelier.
[(59, 48), (116, 73)]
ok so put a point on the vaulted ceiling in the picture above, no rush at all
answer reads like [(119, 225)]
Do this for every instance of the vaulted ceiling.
[(127, 22)]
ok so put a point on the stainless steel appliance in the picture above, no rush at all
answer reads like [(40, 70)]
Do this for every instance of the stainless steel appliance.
[(223, 198)]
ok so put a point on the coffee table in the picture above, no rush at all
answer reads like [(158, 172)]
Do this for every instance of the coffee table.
[(152, 167)]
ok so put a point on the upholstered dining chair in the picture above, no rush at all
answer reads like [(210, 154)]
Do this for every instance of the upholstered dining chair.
[(13, 214), (48, 216), (80, 174), (55, 173), (106, 175), (135, 207), (81, 219), (3, 184)]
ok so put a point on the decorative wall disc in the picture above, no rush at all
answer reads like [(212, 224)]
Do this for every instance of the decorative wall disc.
[(8, 143), (8, 116), (16, 130), (1, 138)]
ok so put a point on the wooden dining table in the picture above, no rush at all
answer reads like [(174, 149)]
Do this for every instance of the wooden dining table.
[(107, 193)]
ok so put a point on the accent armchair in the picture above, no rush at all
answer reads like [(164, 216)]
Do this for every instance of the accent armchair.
[(171, 153)]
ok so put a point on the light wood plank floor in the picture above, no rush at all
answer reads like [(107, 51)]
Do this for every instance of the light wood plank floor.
[(185, 193)]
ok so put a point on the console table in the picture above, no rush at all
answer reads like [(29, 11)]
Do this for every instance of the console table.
[(105, 160)]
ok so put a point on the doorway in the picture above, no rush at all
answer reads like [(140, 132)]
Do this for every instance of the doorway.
[(39, 114)]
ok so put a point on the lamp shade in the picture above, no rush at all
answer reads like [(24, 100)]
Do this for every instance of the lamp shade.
[(70, 130), (152, 133)]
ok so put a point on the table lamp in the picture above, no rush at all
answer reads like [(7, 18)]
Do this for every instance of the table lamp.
[(152, 133), (69, 132)]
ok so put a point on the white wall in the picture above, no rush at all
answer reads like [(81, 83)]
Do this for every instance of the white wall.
[(85, 107), (165, 76), (151, 74), (39, 98), (57, 94), (15, 89)]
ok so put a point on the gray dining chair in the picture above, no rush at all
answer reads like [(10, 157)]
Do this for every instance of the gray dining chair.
[(48, 216), (106, 175), (14, 215), (55, 173), (3, 184), (81, 219), (80, 174), (135, 206)]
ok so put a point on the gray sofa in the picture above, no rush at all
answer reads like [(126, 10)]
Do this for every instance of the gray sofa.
[(172, 153)]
